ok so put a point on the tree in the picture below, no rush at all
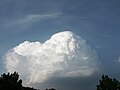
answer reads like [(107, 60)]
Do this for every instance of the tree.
[(50, 89), (10, 81), (107, 83)]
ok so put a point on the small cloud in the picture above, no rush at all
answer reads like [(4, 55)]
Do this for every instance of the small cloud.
[(119, 59), (65, 54)]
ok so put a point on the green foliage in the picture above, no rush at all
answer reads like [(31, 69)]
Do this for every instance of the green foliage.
[(107, 83), (10, 81)]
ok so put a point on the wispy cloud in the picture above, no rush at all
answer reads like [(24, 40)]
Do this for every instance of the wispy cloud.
[(21, 24), (35, 17)]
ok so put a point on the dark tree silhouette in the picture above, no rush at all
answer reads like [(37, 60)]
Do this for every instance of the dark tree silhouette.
[(107, 83), (28, 88), (50, 89), (10, 81)]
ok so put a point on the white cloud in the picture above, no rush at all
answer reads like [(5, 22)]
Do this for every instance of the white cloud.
[(23, 23), (64, 55), (35, 17)]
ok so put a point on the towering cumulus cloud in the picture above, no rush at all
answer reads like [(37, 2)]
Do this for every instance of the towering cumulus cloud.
[(64, 55)]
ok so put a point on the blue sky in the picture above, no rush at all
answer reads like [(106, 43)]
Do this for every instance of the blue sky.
[(96, 21)]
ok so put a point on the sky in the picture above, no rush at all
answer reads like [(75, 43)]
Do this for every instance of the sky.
[(36, 34)]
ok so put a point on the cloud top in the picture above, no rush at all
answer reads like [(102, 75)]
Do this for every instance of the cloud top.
[(65, 54)]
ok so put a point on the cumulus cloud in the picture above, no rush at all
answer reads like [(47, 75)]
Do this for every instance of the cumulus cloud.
[(65, 54)]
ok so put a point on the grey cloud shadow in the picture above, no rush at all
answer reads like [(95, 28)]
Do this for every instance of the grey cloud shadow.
[(71, 83)]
